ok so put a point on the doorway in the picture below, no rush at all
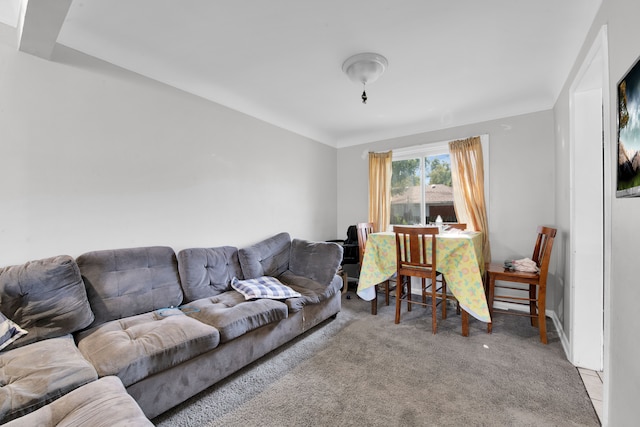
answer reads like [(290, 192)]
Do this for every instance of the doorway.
[(590, 186)]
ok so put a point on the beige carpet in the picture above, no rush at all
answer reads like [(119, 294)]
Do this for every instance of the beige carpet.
[(363, 370)]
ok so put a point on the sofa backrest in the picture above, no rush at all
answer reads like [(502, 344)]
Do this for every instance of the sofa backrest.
[(46, 297), (126, 282), (269, 257), (206, 272)]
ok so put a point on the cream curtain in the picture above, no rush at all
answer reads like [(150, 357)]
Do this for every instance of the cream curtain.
[(380, 190), (467, 177)]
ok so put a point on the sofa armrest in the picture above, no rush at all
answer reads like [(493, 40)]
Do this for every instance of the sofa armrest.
[(46, 297), (318, 261)]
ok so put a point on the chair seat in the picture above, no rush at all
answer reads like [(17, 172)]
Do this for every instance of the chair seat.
[(521, 276), (417, 269)]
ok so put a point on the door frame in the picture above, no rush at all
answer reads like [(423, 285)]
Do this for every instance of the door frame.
[(590, 86)]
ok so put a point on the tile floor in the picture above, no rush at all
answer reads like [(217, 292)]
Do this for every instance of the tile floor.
[(593, 383)]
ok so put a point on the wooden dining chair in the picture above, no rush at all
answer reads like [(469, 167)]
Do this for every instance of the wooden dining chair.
[(412, 250), (534, 285), (457, 225), (363, 230)]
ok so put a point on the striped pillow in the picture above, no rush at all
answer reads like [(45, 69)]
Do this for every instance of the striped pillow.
[(9, 331), (263, 287)]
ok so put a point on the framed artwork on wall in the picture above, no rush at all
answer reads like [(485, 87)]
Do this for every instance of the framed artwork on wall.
[(628, 166)]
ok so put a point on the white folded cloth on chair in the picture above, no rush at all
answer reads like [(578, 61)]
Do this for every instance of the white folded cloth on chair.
[(524, 264)]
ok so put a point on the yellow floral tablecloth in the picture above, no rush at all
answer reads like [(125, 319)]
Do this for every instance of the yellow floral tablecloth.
[(459, 258)]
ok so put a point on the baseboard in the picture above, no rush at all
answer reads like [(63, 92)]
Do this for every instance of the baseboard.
[(563, 337)]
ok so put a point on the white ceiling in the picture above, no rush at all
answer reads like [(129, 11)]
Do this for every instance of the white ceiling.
[(450, 62)]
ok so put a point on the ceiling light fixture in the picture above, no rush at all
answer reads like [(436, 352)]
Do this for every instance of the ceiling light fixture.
[(365, 68)]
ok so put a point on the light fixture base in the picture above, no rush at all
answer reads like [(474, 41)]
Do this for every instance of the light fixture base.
[(365, 68)]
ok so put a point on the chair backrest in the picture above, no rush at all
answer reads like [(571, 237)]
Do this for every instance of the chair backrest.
[(363, 230), (458, 225), (352, 235), (412, 251), (542, 250)]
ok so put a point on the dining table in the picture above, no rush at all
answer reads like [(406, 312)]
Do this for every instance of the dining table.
[(458, 257)]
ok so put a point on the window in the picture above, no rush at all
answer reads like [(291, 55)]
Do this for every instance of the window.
[(421, 183)]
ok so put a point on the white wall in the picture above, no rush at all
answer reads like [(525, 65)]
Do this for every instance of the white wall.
[(95, 157), (522, 195), (623, 369), (622, 345)]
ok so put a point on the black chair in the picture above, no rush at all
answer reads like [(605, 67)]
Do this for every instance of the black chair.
[(349, 267)]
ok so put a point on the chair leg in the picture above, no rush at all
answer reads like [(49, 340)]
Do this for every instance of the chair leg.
[(408, 293), (374, 302), (532, 305), (345, 280), (386, 292), (444, 297), (434, 305), (465, 323), (492, 284), (542, 320), (399, 287)]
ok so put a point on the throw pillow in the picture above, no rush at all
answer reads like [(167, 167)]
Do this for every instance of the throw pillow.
[(9, 331), (263, 287)]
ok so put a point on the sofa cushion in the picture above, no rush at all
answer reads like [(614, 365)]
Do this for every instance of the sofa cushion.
[(263, 287), (318, 261), (36, 374), (311, 291), (9, 331), (104, 402), (206, 272), (126, 282), (46, 297), (139, 346), (233, 316), (269, 257)]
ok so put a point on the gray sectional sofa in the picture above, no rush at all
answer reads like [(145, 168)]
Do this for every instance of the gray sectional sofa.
[(160, 325)]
